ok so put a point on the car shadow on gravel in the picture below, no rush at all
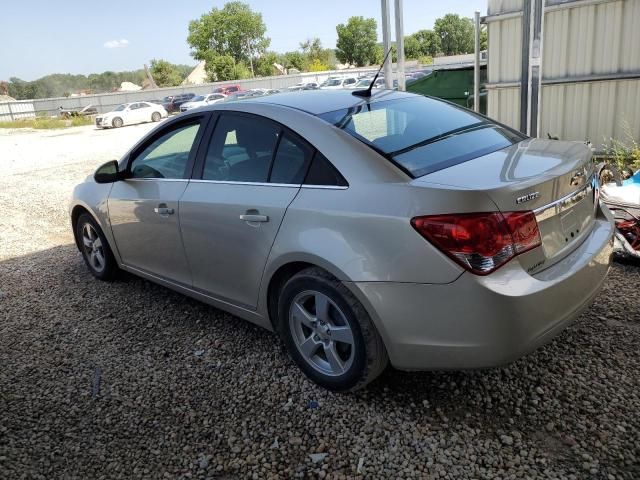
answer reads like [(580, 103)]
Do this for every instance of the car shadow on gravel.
[(131, 379)]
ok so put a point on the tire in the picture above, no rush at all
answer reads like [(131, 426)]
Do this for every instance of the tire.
[(155, 117), (117, 122), (339, 349), (95, 250)]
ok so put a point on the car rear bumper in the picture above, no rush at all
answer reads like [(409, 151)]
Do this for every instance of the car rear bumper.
[(479, 322)]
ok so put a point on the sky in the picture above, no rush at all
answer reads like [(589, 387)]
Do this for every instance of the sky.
[(39, 37)]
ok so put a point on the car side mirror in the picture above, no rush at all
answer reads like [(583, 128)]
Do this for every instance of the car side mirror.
[(108, 173)]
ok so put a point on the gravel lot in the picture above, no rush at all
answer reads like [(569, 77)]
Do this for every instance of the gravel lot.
[(130, 380)]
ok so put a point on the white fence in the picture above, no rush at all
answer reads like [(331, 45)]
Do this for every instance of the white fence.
[(105, 102), (15, 110)]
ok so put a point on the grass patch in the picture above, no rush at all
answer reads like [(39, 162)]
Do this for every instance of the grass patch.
[(47, 123)]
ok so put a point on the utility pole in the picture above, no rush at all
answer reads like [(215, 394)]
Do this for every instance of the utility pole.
[(476, 65), (386, 44), (400, 45)]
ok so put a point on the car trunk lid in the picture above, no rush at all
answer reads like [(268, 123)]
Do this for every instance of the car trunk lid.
[(552, 178)]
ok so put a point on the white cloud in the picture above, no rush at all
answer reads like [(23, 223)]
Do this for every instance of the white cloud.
[(123, 42)]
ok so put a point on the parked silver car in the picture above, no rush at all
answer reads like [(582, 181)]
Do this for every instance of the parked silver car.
[(363, 230)]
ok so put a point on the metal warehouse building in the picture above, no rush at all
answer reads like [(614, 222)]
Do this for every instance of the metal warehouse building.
[(569, 68)]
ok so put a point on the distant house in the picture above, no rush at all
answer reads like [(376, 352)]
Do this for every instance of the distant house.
[(129, 87), (197, 76)]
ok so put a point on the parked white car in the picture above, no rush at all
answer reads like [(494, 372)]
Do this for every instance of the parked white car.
[(304, 86), (202, 101), (336, 83), (365, 82), (131, 113)]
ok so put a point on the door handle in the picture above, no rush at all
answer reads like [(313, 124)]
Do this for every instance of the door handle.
[(162, 209), (248, 217)]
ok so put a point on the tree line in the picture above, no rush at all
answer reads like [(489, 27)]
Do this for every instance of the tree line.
[(63, 84), (233, 43)]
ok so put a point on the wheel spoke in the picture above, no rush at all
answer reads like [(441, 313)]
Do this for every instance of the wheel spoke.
[(333, 358), (309, 347), (99, 259), (87, 241), (342, 334), (301, 315), (322, 307), (97, 243)]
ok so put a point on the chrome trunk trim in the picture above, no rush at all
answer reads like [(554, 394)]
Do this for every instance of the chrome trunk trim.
[(566, 202)]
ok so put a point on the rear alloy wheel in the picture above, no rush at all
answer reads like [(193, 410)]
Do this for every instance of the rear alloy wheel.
[(117, 122), (328, 332), (155, 117), (95, 249), (321, 333)]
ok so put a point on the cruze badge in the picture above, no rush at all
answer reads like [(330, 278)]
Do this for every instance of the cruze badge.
[(528, 197)]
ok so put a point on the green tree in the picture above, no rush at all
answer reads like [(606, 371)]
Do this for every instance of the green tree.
[(412, 48), (264, 65), (224, 67), (294, 60), (166, 74), (455, 33), (233, 31), (483, 37), (429, 42), (357, 41), (313, 50)]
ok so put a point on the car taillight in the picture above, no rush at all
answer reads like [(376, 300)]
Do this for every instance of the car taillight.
[(480, 242)]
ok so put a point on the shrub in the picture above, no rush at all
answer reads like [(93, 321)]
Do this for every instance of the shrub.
[(318, 66), (623, 153)]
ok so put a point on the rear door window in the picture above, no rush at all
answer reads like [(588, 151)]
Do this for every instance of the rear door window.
[(241, 149), (322, 172), (291, 161)]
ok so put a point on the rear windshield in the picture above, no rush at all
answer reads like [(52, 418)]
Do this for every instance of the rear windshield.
[(421, 134)]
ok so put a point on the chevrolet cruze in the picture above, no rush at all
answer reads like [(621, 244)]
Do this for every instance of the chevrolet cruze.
[(363, 229)]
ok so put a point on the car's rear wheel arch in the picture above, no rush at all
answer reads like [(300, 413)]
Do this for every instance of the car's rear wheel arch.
[(277, 281), (311, 280)]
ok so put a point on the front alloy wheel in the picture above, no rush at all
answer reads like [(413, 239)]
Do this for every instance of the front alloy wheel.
[(94, 248)]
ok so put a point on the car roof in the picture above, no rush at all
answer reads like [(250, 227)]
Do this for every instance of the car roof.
[(317, 102)]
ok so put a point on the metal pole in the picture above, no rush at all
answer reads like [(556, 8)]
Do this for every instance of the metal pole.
[(386, 43), (476, 66), (400, 45)]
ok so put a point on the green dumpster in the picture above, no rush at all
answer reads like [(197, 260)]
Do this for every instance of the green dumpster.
[(452, 84)]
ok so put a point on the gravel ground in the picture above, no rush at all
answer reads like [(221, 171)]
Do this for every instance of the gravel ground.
[(130, 380)]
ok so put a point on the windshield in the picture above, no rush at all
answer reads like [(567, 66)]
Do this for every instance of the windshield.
[(333, 83), (422, 135), (363, 83), (120, 108), (199, 98)]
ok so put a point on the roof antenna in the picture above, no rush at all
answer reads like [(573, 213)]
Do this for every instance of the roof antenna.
[(367, 92)]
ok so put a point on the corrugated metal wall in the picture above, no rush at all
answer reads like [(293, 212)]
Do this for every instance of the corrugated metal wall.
[(590, 67), (504, 56)]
